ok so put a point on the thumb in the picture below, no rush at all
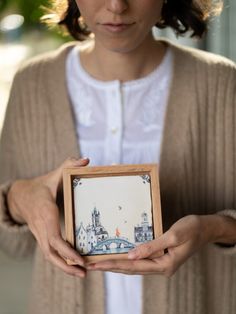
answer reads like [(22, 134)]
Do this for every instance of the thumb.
[(155, 247), (72, 162), (54, 178)]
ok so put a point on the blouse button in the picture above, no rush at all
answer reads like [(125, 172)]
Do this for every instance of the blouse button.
[(114, 130)]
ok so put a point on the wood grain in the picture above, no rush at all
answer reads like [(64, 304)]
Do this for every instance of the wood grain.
[(109, 171)]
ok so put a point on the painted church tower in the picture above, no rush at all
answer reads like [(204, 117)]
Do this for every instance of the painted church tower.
[(96, 218), (144, 223)]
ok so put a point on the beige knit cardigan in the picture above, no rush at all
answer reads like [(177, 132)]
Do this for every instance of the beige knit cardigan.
[(197, 176)]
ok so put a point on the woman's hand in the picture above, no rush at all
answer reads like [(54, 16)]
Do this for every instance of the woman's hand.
[(34, 202), (181, 241)]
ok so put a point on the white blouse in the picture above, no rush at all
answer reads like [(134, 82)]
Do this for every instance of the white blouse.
[(119, 123)]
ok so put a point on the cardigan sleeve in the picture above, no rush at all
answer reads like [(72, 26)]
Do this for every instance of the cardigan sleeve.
[(210, 153), (224, 248), (15, 240), (229, 128), (223, 146)]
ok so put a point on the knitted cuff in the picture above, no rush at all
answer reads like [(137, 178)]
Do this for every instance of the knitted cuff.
[(227, 248), (15, 239), (6, 219)]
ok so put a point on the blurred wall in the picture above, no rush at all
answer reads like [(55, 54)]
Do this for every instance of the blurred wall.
[(221, 37)]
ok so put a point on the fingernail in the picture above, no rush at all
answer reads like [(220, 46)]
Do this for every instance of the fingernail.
[(91, 266)]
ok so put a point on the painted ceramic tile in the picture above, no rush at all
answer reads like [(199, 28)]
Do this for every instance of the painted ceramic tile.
[(112, 214)]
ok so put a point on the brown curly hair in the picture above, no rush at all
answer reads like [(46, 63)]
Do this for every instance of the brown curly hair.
[(181, 15)]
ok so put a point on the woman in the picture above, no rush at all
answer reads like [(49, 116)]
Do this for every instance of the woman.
[(126, 98)]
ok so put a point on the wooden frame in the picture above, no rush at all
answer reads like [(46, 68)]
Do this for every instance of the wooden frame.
[(95, 244)]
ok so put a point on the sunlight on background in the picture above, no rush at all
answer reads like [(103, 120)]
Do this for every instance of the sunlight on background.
[(11, 55), (17, 44), (21, 37)]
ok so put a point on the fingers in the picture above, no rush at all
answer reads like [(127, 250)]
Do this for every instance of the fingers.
[(71, 162), (35, 201), (141, 267), (54, 178), (131, 267), (65, 250), (152, 248), (74, 162), (59, 262), (143, 260), (54, 248), (164, 265), (54, 237)]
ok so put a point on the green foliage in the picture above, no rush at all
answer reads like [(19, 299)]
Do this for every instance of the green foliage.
[(30, 9), (3, 5)]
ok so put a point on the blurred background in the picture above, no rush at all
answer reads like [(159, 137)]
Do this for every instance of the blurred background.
[(21, 37)]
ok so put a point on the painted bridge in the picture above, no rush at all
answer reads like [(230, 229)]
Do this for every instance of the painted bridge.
[(115, 242)]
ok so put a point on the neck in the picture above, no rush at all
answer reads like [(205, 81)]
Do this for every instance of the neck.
[(107, 65)]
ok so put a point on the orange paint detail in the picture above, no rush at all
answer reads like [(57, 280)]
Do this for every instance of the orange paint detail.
[(117, 232)]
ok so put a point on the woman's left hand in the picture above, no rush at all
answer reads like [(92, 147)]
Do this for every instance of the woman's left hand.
[(181, 241)]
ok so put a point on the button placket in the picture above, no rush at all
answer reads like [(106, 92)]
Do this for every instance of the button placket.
[(114, 125)]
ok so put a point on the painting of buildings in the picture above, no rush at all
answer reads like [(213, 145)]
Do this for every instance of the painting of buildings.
[(144, 232), (94, 233), (112, 215), (94, 239)]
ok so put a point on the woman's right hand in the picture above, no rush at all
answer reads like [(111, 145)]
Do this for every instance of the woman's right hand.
[(34, 202)]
